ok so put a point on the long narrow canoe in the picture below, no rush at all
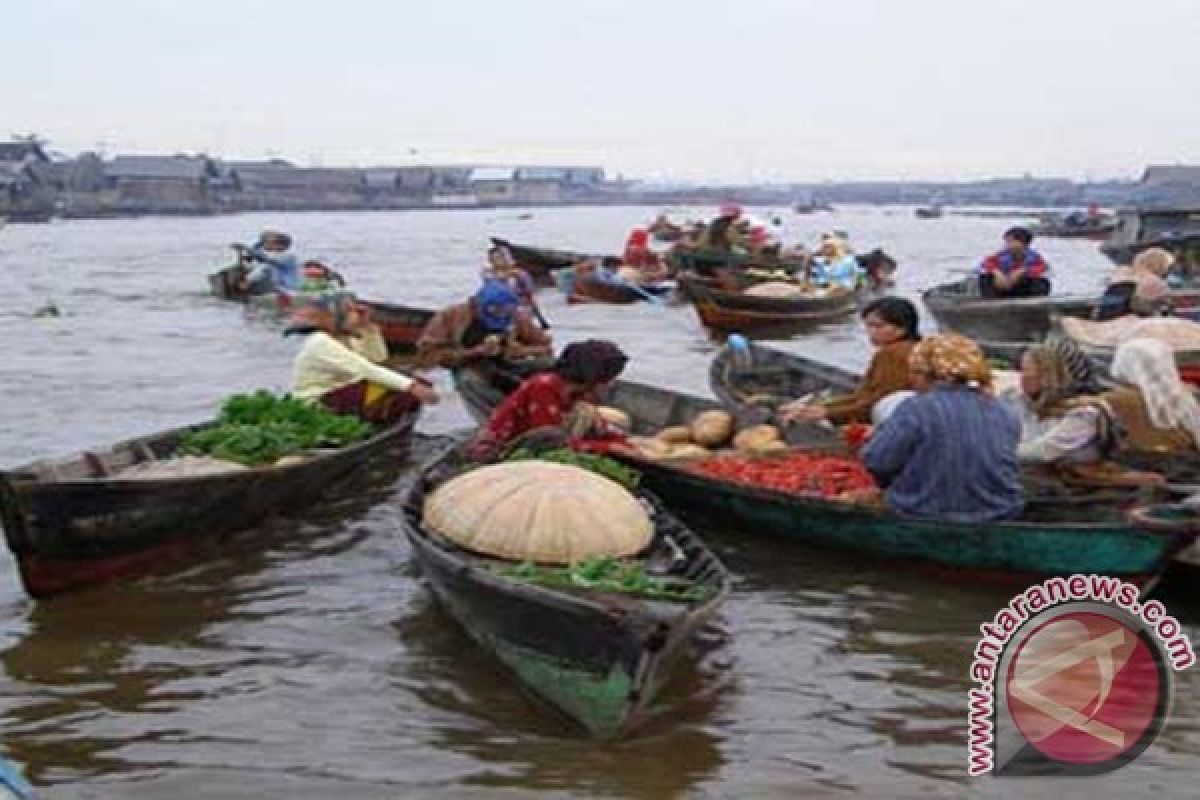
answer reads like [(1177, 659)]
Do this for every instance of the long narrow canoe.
[(540, 262), (1063, 531), (771, 378), (598, 658), (725, 311), (79, 521), (1004, 319), (400, 325)]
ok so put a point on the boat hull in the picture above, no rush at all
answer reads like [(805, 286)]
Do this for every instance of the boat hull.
[(1000, 319), (726, 311), (1116, 548), (70, 532), (541, 262)]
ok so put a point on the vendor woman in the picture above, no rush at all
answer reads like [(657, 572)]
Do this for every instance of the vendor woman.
[(488, 325), (556, 400), (891, 324), (328, 372)]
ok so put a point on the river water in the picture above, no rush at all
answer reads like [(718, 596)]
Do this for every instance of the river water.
[(305, 660)]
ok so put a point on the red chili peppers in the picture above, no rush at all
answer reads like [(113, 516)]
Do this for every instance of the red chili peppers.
[(797, 473)]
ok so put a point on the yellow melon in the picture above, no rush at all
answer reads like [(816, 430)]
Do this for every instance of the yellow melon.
[(538, 511), (676, 434), (754, 437), (712, 428)]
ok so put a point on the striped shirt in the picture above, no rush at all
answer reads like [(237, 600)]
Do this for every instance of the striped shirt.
[(951, 453)]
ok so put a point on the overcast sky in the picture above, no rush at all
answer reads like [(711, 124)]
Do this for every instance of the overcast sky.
[(702, 89)]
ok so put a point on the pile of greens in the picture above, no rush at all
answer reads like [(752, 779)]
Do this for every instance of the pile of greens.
[(613, 470), (260, 428), (605, 574)]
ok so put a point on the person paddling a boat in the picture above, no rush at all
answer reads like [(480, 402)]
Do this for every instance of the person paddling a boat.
[(891, 324), (503, 267), (1017, 270), (559, 402), (275, 265), (329, 372), (950, 451), (489, 325), (722, 233)]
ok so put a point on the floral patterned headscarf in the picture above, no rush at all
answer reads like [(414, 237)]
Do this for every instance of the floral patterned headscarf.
[(953, 358)]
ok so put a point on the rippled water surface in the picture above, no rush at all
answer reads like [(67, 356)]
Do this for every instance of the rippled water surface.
[(304, 659)]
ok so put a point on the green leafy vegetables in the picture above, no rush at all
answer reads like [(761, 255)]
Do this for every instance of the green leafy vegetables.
[(261, 427), (613, 470), (605, 574)]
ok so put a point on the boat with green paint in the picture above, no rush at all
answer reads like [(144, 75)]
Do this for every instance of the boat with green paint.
[(1064, 529), (599, 658)]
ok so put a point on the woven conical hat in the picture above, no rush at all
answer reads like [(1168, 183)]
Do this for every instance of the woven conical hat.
[(538, 511)]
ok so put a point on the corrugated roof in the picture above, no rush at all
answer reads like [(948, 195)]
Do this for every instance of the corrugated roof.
[(493, 174), (1174, 174), (193, 168), (300, 178)]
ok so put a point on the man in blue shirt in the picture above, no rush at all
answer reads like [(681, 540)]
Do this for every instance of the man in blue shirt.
[(276, 266), (949, 452)]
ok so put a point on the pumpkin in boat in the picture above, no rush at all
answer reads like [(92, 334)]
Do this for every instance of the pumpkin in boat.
[(712, 428), (687, 452), (538, 511), (755, 438), (776, 289), (676, 434)]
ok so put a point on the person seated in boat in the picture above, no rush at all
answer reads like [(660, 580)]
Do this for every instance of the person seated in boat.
[(722, 233), (317, 278), (561, 400), (1052, 374), (275, 266), (879, 269), (834, 266), (1153, 412), (329, 371), (504, 268), (1016, 271), (1148, 273), (491, 324), (950, 451), (891, 324)]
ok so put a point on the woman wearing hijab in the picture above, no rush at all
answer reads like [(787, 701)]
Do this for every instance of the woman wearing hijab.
[(891, 324), (1153, 413), (1148, 274), (1053, 375), (503, 267), (834, 266), (330, 372), (949, 452), (489, 325), (559, 400)]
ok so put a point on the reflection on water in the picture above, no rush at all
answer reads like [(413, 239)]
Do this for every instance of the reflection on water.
[(305, 659)]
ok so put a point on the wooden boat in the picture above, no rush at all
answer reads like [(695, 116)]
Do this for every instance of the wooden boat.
[(588, 289), (1003, 326), (725, 311), (1063, 532), (540, 262), (598, 658), (1076, 226), (930, 212), (77, 521), (483, 384), (401, 326), (771, 378)]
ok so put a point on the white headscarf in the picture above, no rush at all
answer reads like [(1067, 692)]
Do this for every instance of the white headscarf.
[(1149, 365)]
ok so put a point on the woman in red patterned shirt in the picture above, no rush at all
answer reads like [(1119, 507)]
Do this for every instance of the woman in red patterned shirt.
[(554, 400)]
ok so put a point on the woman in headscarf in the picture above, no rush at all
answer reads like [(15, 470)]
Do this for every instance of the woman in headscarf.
[(1153, 414), (949, 452), (891, 324), (834, 266), (1052, 373), (503, 267), (489, 325), (1148, 273), (641, 258), (329, 372), (561, 400)]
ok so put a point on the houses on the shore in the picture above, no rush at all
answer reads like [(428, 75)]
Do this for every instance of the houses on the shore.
[(34, 187)]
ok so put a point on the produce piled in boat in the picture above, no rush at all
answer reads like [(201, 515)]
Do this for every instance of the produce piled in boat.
[(708, 431), (797, 473)]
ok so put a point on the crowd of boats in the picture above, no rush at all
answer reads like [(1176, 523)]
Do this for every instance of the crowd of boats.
[(598, 652)]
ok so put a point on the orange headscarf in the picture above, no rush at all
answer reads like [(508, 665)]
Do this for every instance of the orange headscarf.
[(952, 357)]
